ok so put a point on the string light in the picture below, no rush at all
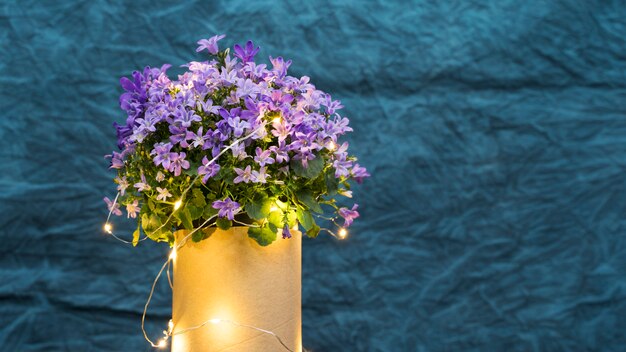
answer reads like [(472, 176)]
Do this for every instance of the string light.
[(173, 254), (109, 229), (331, 146)]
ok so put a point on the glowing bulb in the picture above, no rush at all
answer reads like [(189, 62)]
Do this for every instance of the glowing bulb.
[(331, 146), (170, 326), (173, 256), (343, 233), (162, 343), (108, 228), (215, 321), (273, 208), (276, 120), (178, 204)]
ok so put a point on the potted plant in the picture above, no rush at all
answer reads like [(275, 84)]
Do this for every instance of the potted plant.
[(227, 164)]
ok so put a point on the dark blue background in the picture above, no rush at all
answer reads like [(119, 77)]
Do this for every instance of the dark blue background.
[(495, 132)]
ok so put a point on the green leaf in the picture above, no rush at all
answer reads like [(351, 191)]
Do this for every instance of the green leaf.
[(275, 220), (198, 198), (201, 234), (209, 211), (332, 183), (292, 218), (149, 223), (262, 235), (194, 211), (306, 198), (313, 232), (305, 219), (185, 218), (259, 208), (223, 223), (312, 170), (136, 235)]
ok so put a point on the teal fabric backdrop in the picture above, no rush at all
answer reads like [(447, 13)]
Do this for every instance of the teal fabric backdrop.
[(495, 132)]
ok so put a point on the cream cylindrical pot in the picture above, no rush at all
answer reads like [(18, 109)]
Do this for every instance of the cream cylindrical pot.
[(228, 277)]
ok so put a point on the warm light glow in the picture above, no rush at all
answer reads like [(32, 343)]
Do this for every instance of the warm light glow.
[(273, 208), (276, 120), (343, 233), (215, 321), (162, 343), (331, 146), (178, 204), (170, 326), (108, 228), (173, 256)]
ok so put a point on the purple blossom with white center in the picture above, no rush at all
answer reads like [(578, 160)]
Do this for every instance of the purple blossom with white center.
[(260, 176), (286, 232), (304, 142), (143, 185), (359, 173), (159, 176), (210, 44), (178, 163), (163, 194), (226, 208), (281, 152), (304, 157), (281, 129), (185, 118), (198, 139), (132, 209), (113, 208), (243, 175), (342, 151), (263, 157), (162, 154), (208, 170), (239, 151), (331, 105), (246, 53), (208, 107), (349, 214)]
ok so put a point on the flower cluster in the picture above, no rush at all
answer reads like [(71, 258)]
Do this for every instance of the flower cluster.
[(285, 161)]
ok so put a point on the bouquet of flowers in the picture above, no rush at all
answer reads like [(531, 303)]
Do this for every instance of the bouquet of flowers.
[(231, 140)]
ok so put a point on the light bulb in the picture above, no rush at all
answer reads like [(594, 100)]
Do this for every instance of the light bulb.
[(170, 326), (343, 233), (108, 228), (178, 204), (215, 321), (331, 146), (162, 343), (276, 120), (273, 208), (173, 254)]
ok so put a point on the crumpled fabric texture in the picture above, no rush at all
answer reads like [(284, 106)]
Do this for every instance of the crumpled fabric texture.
[(495, 133)]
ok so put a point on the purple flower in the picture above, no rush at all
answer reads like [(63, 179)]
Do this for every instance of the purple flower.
[(208, 107), (247, 53), (263, 157), (226, 207), (198, 139), (281, 152), (210, 44), (178, 162), (359, 173), (280, 66), (162, 154), (143, 185), (286, 232), (349, 214), (186, 117), (280, 129), (113, 208), (178, 135), (244, 175), (208, 170), (117, 160), (341, 168), (132, 209), (260, 176)]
